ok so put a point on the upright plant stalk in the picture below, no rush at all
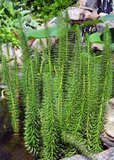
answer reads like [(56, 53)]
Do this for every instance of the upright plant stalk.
[(91, 104), (105, 83), (26, 56), (10, 77), (30, 82), (49, 115), (80, 100), (95, 143), (32, 117), (72, 102), (89, 93), (60, 74)]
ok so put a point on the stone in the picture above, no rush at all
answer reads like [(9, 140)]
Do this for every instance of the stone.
[(102, 14), (42, 44), (97, 47), (3, 86), (75, 157), (53, 21), (74, 13), (108, 136), (109, 124), (9, 54), (105, 155), (12, 53), (107, 140)]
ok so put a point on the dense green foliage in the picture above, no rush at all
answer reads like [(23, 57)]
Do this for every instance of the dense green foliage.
[(45, 9), (64, 93), (14, 11)]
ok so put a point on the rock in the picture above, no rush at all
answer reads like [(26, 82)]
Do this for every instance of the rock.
[(105, 155), (107, 140), (95, 14), (42, 44), (97, 47), (109, 124), (12, 53), (9, 55), (18, 55), (102, 14), (74, 13), (75, 157), (108, 136), (53, 21), (3, 86)]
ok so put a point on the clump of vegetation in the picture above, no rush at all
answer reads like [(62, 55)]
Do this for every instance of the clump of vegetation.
[(47, 9), (64, 95), (14, 11)]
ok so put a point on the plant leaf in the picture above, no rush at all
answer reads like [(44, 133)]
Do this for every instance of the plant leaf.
[(95, 38), (92, 22), (43, 33), (107, 18)]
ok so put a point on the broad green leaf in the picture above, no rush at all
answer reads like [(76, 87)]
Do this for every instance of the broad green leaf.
[(107, 18), (95, 38), (43, 33)]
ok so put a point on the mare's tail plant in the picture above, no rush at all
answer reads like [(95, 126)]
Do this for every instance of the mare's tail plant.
[(61, 65), (30, 87), (91, 104), (75, 83), (74, 102), (10, 78), (32, 116), (88, 89), (50, 127), (104, 90)]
